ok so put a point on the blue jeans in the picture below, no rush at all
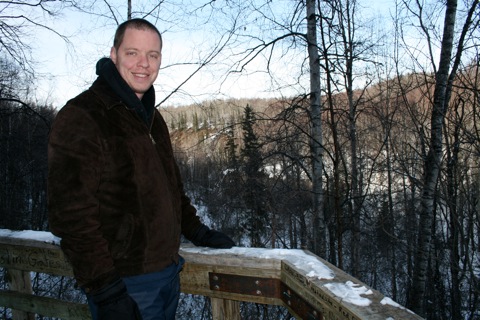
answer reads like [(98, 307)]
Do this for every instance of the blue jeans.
[(155, 293)]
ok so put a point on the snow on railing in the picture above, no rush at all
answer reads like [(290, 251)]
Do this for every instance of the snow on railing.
[(309, 287)]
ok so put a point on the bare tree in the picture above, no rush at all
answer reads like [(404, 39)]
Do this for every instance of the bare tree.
[(319, 223), (18, 20), (444, 78)]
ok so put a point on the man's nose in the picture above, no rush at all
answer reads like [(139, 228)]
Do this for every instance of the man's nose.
[(143, 61)]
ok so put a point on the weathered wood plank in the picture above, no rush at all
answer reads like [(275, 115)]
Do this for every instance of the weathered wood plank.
[(34, 256), (223, 309), (45, 306), (194, 279), (223, 259), (20, 281)]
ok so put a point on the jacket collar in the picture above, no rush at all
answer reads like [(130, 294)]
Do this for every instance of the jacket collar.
[(106, 69), (105, 93)]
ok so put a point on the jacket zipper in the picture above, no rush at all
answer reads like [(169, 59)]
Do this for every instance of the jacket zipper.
[(151, 138), (154, 143), (150, 129)]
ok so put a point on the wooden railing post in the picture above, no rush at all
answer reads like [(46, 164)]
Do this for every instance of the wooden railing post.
[(224, 309), (20, 281)]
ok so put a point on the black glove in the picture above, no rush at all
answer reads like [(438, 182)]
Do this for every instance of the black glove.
[(114, 303), (204, 237)]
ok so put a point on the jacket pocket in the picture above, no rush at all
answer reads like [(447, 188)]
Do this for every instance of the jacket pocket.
[(123, 238)]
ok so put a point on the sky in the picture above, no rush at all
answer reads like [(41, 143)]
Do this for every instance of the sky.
[(66, 69)]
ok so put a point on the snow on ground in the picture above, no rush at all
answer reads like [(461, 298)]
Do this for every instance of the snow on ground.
[(476, 270)]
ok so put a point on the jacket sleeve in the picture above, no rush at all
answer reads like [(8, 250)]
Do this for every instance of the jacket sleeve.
[(190, 221), (75, 164)]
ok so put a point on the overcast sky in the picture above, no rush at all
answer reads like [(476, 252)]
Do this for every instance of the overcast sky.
[(67, 69)]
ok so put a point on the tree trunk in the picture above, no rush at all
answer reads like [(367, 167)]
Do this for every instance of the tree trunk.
[(336, 235), (319, 228), (432, 165), (454, 236)]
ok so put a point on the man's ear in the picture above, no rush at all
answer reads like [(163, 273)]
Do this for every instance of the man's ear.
[(113, 55)]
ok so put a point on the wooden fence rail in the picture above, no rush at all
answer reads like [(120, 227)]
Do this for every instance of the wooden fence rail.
[(309, 287)]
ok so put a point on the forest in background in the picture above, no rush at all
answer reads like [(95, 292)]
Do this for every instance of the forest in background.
[(373, 163), (248, 162)]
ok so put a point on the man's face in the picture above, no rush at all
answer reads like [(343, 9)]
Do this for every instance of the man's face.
[(138, 59)]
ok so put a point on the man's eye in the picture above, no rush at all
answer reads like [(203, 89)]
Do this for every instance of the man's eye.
[(131, 53), (154, 56)]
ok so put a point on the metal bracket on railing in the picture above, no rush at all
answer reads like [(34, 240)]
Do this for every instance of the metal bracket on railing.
[(265, 287), (299, 305)]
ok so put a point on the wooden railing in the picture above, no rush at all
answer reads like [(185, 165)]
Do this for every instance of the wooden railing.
[(309, 287)]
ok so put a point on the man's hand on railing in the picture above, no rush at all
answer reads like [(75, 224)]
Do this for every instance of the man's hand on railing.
[(114, 303), (205, 237)]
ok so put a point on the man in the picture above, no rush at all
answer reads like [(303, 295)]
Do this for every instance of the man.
[(115, 194)]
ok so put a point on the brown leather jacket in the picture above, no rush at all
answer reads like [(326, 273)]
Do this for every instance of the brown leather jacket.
[(115, 194)]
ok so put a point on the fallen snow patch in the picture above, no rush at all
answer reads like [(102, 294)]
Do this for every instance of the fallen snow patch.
[(350, 292), (390, 302)]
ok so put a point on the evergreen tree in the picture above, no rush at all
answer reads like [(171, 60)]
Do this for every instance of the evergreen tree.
[(255, 195), (231, 149)]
